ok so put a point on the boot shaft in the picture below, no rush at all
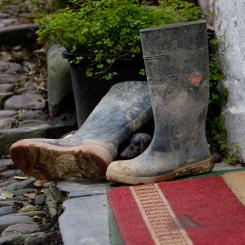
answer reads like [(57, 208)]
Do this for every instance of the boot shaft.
[(123, 110), (177, 68)]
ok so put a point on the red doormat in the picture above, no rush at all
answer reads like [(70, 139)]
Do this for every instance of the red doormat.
[(197, 211)]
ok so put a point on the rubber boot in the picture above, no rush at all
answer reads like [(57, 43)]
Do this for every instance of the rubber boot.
[(87, 153), (177, 68)]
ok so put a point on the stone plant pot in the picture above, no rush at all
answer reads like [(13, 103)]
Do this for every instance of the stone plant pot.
[(89, 91)]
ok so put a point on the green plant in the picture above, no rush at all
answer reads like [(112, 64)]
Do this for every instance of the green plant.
[(217, 99), (3, 3), (102, 32), (234, 156)]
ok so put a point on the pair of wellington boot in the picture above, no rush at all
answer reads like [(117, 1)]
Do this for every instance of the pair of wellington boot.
[(176, 61)]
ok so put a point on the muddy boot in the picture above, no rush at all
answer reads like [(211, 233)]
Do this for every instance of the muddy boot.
[(87, 153), (177, 67)]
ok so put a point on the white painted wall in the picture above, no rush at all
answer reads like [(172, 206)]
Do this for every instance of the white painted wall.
[(228, 22)]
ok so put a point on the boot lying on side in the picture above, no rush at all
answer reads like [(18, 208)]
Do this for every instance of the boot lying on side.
[(88, 152), (177, 68)]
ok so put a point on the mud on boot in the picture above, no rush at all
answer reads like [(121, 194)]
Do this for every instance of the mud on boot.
[(177, 68), (87, 153)]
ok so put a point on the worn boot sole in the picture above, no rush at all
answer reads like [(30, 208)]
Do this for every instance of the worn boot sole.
[(193, 169), (52, 162)]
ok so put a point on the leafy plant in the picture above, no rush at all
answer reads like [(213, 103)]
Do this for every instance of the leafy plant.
[(234, 155), (3, 3), (102, 32), (217, 99)]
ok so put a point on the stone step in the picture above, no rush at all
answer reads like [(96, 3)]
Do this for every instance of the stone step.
[(18, 34), (7, 123), (7, 113), (224, 166), (9, 67), (50, 129), (85, 219), (25, 101), (6, 87), (74, 189), (8, 78), (4, 96)]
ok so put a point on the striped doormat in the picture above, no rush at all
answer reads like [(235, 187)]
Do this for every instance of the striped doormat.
[(206, 211)]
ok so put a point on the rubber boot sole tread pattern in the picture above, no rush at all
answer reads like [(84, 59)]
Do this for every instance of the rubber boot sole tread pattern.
[(49, 162)]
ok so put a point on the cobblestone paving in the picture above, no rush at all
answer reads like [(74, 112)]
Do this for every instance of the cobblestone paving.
[(28, 210)]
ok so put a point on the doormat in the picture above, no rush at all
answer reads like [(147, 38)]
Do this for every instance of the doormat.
[(208, 210)]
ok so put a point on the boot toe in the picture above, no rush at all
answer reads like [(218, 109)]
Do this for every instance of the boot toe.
[(119, 170)]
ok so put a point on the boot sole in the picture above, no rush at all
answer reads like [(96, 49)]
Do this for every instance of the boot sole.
[(50, 162), (193, 169)]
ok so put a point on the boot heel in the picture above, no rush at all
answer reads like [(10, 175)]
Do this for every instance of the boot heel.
[(196, 168)]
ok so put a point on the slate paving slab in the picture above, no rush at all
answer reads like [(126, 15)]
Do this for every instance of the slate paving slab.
[(25, 101), (7, 182), (33, 214), (4, 15), (10, 173), (40, 199), (29, 123), (75, 189), (8, 78), (4, 96), (85, 221), (8, 113), (21, 228), (14, 239), (6, 22), (12, 219), (32, 115), (27, 239), (6, 210), (13, 203), (222, 166), (6, 163), (9, 67), (20, 185), (7, 123), (24, 191), (6, 87)]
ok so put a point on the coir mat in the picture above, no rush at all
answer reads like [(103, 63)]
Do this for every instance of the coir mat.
[(205, 211)]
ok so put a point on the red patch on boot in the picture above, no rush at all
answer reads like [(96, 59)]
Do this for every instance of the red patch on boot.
[(196, 78)]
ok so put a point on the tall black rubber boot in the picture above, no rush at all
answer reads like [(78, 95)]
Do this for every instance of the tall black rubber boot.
[(177, 68), (87, 153)]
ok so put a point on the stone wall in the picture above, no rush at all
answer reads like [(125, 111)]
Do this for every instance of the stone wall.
[(227, 18)]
